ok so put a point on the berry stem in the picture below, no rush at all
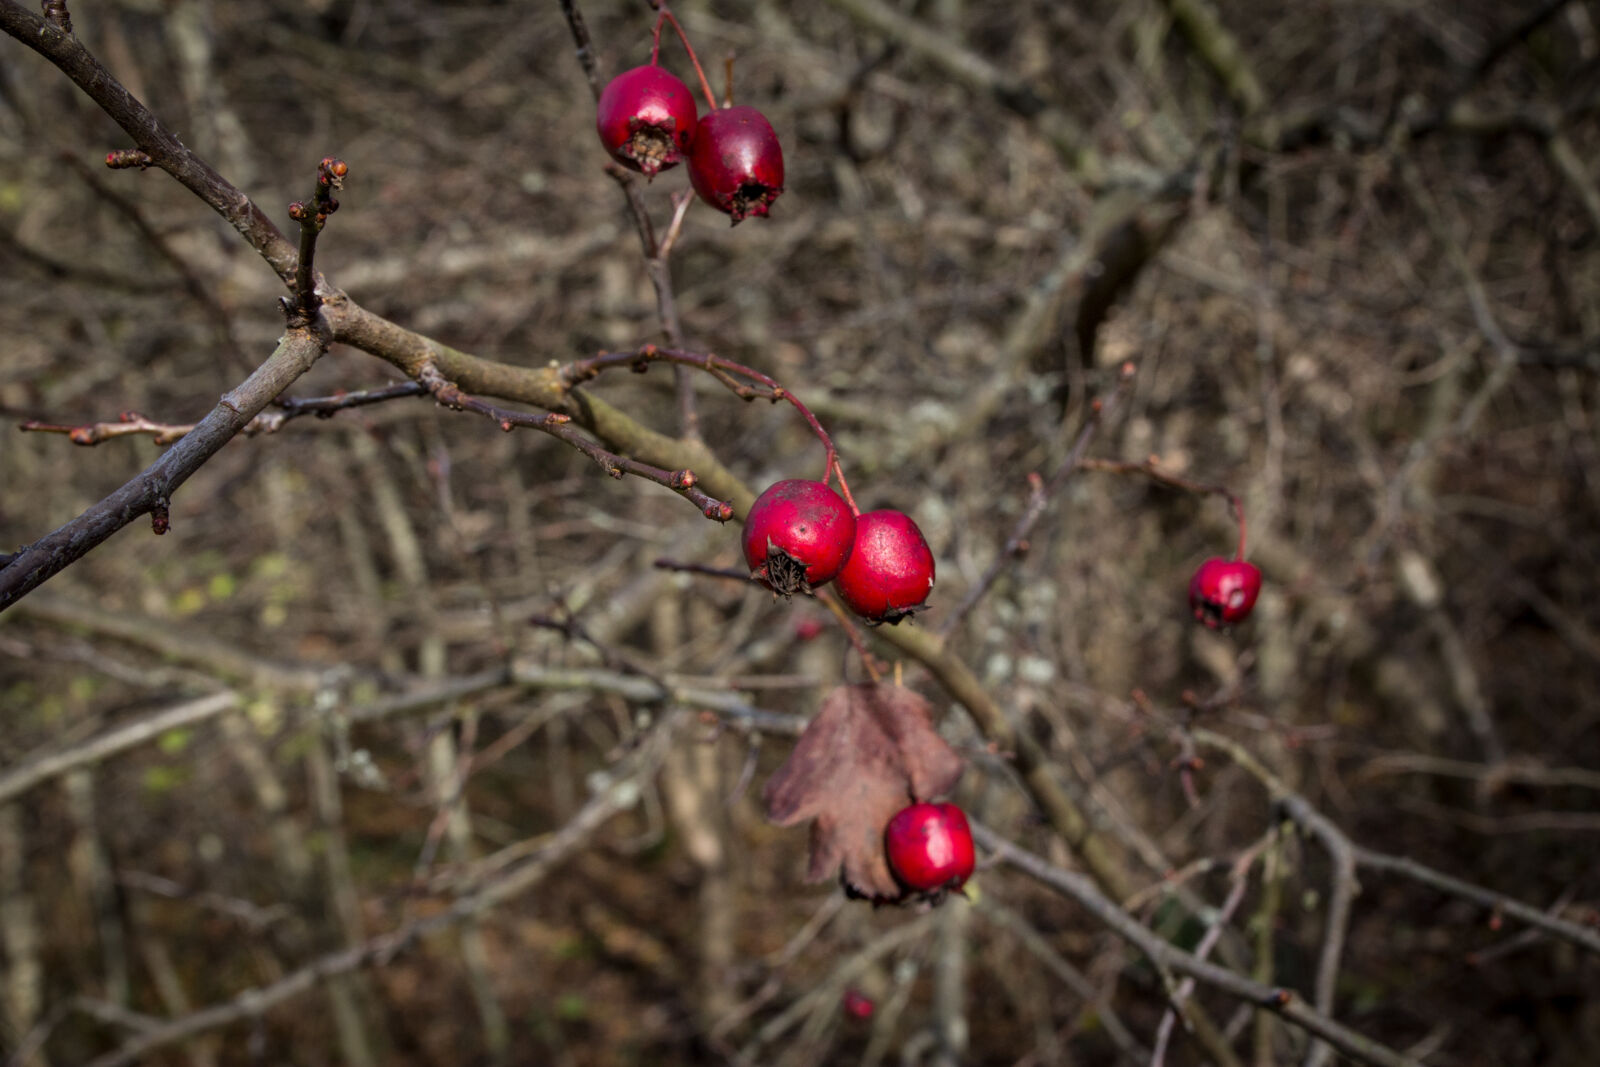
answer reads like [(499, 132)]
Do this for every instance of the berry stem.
[(1151, 470), (844, 486), (723, 370), (832, 604), (665, 15), (1238, 513)]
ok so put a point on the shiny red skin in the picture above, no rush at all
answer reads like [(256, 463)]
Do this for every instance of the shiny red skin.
[(647, 119), (890, 571), (930, 847), (798, 535), (736, 164), (1223, 591)]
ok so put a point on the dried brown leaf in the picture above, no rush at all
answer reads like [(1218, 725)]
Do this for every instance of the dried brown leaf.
[(869, 752)]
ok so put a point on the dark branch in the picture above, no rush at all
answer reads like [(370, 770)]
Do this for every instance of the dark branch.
[(150, 492)]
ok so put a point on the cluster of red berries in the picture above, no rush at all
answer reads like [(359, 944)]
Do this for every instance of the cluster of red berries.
[(801, 534), (648, 121)]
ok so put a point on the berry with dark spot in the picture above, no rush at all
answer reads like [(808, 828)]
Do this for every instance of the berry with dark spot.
[(736, 164), (798, 536)]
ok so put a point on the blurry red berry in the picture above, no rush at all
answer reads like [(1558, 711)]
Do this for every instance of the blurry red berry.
[(1223, 591), (858, 1005), (890, 571), (930, 847), (647, 119), (736, 164), (798, 535), (808, 629)]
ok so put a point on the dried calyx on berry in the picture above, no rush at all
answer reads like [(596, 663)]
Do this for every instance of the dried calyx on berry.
[(647, 119), (797, 536), (736, 164), (1223, 591), (890, 571)]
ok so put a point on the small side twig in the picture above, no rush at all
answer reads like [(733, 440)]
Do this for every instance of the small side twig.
[(1300, 810), (1151, 469), (1042, 492), (312, 217), (1284, 1002), (131, 423), (147, 493)]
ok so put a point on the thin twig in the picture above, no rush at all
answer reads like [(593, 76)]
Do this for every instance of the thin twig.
[(1039, 499), (150, 492), (1298, 808), (621, 792), (1282, 1001), (131, 423), (312, 217)]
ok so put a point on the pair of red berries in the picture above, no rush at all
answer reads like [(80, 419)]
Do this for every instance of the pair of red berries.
[(930, 847), (648, 121), (1223, 591), (801, 534)]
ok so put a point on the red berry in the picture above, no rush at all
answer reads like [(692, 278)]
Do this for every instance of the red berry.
[(930, 847), (798, 535), (858, 1005), (736, 164), (890, 571), (808, 629), (647, 119), (1223, 591)]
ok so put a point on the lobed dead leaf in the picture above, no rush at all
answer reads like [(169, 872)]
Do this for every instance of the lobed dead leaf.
[(869, 752)]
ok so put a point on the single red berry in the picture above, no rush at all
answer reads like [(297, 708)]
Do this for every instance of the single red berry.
[(798, 535), (736, 164), (890, 571), (647, 119), (808, 629), (858, 1005), (930, 847), (1223, 591)]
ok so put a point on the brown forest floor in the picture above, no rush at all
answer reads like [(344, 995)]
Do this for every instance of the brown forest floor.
[(1362, 290)]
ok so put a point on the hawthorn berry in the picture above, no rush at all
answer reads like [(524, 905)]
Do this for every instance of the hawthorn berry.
[(798, 535), (736, 163), (858, 1005), (930, 847), (890, 571), (1223, 591), (647, 119)]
